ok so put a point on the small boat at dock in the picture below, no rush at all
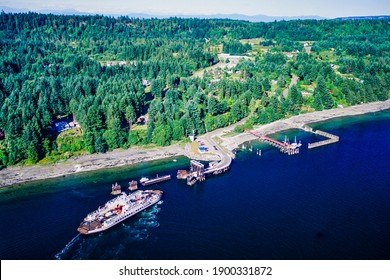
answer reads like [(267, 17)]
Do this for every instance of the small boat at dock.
[(143, 179), (296, 144)]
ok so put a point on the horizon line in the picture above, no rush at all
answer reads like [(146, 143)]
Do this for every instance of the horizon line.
[(165, 14)]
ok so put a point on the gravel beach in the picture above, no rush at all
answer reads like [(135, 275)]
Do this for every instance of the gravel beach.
[(15, 175)]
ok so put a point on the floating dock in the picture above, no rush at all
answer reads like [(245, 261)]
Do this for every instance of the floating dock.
[(156, 180)]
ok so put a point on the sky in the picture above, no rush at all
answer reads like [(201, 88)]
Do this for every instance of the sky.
[(324, 8)]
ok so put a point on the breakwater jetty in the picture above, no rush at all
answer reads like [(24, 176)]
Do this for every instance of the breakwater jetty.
[(331, 138)]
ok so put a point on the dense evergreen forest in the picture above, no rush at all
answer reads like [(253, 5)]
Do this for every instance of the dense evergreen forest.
[(136, 82)]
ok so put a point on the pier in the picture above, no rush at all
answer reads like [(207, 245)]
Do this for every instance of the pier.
[(284, 147), (331, 138), (196, 173), (155, 180), (221, 166), (225, 156)]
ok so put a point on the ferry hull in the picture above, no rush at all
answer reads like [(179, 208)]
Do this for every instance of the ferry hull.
[(96, 223)]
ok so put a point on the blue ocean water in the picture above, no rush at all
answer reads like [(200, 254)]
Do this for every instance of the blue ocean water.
[(330, 202)]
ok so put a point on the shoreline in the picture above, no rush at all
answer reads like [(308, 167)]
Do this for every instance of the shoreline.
[(17, 175), (117, 158), (299, 121)]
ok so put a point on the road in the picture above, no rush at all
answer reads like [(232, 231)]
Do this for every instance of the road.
[(225, 155), (294, 81)]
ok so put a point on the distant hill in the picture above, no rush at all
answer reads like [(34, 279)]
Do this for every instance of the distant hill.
[(47, 11), (13, 10), (255, 18), (63, 12), (365, 17)]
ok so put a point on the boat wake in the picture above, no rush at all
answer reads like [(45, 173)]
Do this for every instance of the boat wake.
[(68, 246), (139, 229), (105, 246)]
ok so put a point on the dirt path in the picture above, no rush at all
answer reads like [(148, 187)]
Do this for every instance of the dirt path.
[(293, 82), (308, 49)]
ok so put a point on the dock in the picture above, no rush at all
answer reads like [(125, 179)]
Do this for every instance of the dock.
[(156, 180), (331, 138), (198, 171), (220, 167), (284, 147)]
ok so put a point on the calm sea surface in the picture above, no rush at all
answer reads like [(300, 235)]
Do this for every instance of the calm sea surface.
[(331, 202)]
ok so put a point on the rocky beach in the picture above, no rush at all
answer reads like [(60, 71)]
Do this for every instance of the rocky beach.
[(21, 174), (304, 119)]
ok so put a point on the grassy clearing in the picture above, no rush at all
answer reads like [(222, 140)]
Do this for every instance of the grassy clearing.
[(328, 56), (194, 146), (216, 49), (139, 127), (57, 158), (308, 88), (70, 132), (230, 134), (255, 43)]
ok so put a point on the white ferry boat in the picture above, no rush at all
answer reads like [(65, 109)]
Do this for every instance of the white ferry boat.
[(118, 209)]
